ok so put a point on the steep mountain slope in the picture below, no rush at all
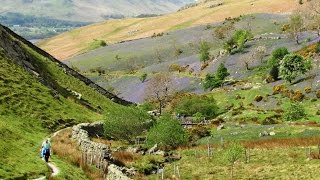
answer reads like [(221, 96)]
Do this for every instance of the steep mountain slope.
[(90, 10), (80, 40), (39, 95)]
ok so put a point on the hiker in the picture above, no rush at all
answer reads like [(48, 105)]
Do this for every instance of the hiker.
[(45, 150)]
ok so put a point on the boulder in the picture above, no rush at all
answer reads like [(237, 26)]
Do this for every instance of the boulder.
[(153, 149)]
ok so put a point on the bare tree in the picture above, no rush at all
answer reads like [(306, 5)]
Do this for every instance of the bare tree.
[(312, 15), (260, 52), (158, 55), (247, 59), (160, 89), (296, 25)]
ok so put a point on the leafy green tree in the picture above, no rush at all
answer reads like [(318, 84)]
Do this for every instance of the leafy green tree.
[(216, 80), (222, 72), (126, 125), (204, 51), (291, 66), (241, 37), (205, 105), (274, 61), (238, 40), (232, 154), (211, 81), (294, 112), (167, 132)]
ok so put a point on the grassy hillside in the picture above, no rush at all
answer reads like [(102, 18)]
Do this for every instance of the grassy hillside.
[(124, 63), (78, 41), (34, 104)]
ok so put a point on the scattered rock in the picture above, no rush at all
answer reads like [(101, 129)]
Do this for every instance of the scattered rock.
[(160, 153), (153, 149), (133, 149), (272, 133), (220, 127), (115, 172)]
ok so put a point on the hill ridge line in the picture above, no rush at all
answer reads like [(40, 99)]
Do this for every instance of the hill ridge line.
[(68, 70)]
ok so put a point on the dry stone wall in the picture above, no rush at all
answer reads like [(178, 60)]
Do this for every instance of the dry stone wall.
[(97, 154)]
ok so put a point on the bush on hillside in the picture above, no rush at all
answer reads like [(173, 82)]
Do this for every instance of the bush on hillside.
[(294, 112), (167, 133), (126, 125), (143, 77), (215, 80), (297, 96), (276, 57), (291, 66), (197, 132), (204, 51), (237, 41), (205, 105)]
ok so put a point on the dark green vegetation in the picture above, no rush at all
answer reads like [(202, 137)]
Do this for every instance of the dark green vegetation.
[(126, 126), (37, 97), (191, 105), (167, 132)]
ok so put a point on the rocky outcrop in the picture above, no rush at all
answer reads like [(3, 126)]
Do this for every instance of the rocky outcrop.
[(13, 46)]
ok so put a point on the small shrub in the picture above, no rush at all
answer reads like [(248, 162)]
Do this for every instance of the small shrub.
[(278, 89), (176, 67), (314, 100), (269, 79), (297, 96), (318, 112), (294, 112), (318, 94), (198, 132), (258, 98), (232, 154), (143, 77), (268, 121), (308, 90)]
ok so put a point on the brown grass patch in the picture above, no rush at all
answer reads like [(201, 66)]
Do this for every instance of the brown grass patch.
[(125, 157), (275, 143), (65, 148)]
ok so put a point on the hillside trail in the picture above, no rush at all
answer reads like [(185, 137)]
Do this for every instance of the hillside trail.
[(55, 170)]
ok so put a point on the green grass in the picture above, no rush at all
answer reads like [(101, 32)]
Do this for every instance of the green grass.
[(68, 171), (29, 112), (250, 132), (276, 163), (19, 148)]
